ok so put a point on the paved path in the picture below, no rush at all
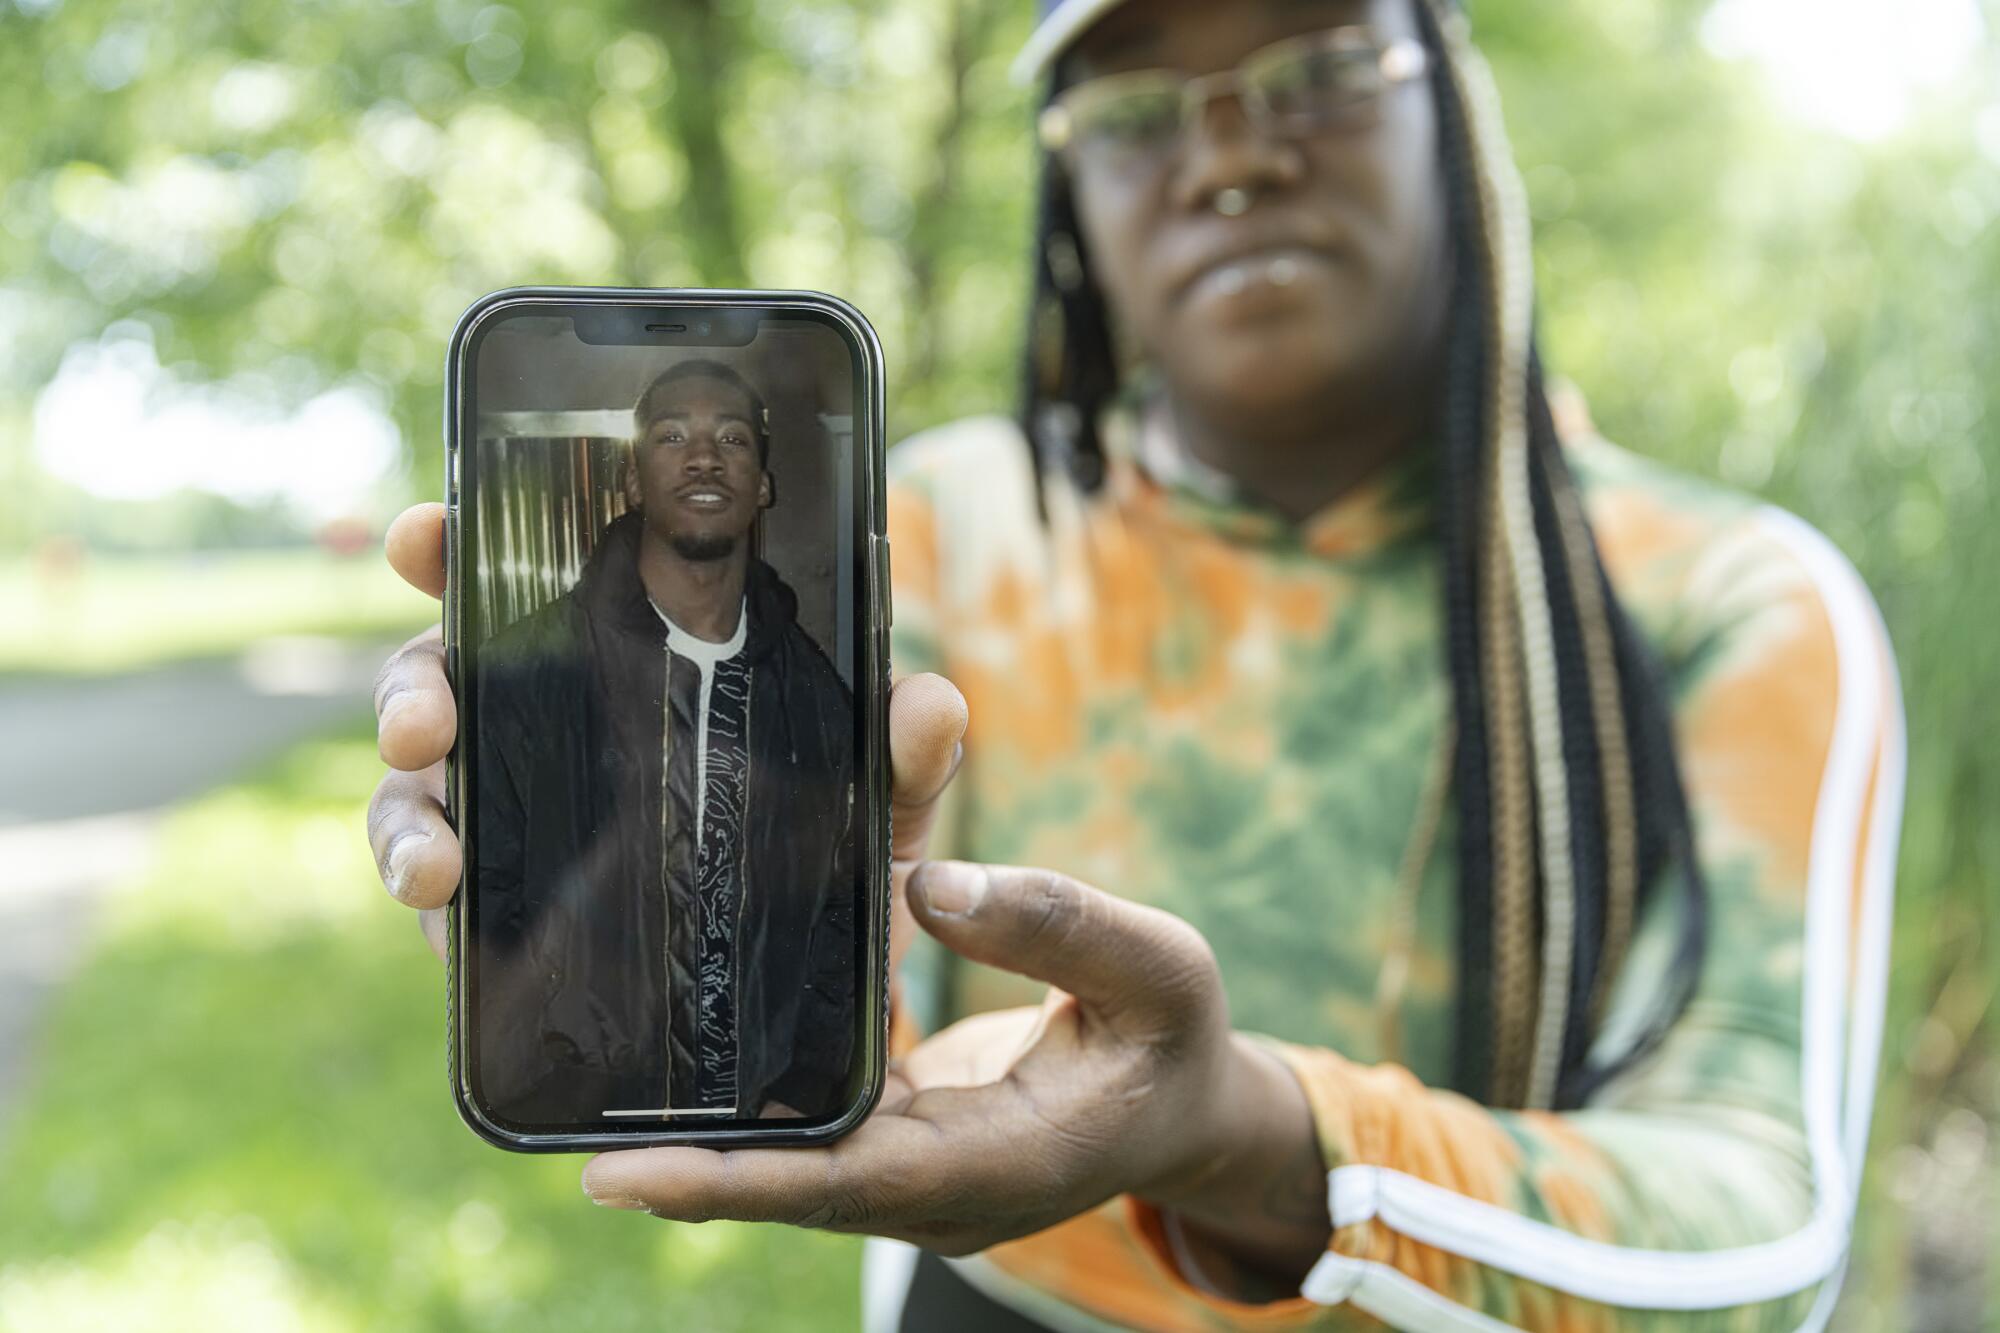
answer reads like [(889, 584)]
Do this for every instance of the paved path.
[(86, 767)]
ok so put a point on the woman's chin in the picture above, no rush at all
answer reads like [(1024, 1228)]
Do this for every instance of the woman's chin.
[(1266, 362)]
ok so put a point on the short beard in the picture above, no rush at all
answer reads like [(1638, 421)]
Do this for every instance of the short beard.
[(718, 546)]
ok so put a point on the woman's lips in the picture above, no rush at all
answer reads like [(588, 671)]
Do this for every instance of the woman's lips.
[(1261, 273)]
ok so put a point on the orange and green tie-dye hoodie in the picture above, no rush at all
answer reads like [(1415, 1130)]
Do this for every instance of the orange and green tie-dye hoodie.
[(1184, 698)]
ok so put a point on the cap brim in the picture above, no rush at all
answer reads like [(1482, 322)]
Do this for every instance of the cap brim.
[(1053, 35)]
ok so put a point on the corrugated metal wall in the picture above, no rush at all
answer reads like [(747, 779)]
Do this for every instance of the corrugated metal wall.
[(548, 484)]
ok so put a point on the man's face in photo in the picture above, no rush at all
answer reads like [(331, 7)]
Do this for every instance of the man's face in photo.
[(697, 472)]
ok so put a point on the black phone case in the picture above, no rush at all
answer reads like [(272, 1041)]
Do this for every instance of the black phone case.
[(873, 696)]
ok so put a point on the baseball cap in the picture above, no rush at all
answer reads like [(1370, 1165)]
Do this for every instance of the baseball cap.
[(1060, 23)]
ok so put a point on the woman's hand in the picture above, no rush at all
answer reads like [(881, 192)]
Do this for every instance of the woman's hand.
[(1127, 1079), (416, 851)]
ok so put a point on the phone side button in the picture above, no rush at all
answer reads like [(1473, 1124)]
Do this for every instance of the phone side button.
[(882, 574)]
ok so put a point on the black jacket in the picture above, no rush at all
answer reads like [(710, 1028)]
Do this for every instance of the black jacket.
[(578, 937)]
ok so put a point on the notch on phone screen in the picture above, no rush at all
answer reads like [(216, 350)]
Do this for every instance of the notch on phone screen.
[(695, 326)]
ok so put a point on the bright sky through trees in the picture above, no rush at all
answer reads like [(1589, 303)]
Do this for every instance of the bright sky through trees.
[(117, 424), (1854, 66)]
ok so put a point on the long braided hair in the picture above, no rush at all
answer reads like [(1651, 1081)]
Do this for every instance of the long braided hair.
[(1568, 795)]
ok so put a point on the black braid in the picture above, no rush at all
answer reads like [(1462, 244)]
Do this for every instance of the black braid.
[(1067, 378), (1579, 730), (1665, 837), (1664, 831), (1462, 498)]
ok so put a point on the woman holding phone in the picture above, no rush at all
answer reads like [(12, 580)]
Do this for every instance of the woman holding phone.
[(1461, 849)]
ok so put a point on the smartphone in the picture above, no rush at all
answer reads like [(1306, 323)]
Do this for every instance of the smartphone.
[(666, 622)]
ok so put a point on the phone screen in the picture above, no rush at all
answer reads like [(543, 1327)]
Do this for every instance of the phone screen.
[(664, 768)]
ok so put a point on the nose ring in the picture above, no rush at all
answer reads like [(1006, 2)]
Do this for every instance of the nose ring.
[(1232, 201)]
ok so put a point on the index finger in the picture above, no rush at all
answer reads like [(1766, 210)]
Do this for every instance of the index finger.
[(927, 718), (416, 717), (415, 547), (892, 1173)]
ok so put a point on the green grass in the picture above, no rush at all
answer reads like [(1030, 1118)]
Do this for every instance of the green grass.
[(241, 1121), (113, 613)]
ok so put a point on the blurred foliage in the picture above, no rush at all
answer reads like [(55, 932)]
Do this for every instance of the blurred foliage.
[(297, 196), (247, 1123), (87, 614), (185, 520)]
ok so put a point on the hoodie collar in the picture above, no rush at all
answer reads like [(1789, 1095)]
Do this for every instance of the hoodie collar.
[(1148, 466), (610, 589)]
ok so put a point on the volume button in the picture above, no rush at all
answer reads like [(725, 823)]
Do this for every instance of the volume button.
[(882, 574)]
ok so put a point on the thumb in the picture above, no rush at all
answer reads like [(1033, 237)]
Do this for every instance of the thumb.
[(1127, 963), (414, 544)]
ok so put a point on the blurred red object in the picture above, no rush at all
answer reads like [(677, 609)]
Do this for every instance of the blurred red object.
[(58, 561), (345, 536)]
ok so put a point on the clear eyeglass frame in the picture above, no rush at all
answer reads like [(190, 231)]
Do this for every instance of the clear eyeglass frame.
[(1125, 117)]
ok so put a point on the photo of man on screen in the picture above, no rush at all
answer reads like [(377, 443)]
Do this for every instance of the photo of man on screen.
[(664, 781)]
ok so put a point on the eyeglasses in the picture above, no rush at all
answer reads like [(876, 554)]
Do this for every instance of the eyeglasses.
[(1295, 87)]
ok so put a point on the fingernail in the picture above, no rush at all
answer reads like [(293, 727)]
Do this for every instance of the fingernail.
[(618, 1201), (611, 1198), (952, 887), (401, 851)]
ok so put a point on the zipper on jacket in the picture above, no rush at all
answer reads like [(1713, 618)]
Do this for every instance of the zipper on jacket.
[(666, 895), (742, 876)]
